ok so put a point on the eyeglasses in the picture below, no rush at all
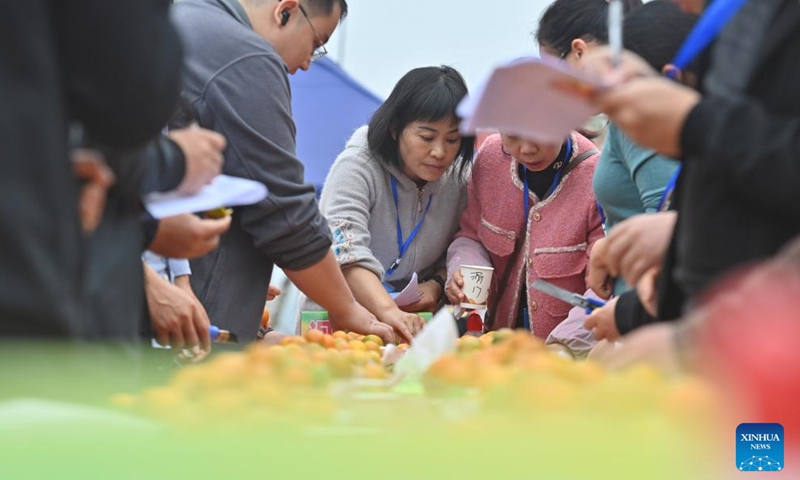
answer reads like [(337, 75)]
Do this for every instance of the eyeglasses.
[(320, 51)]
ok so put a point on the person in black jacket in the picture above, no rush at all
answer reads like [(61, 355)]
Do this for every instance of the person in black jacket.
[(184, 161), (114, 68), (737, 195)]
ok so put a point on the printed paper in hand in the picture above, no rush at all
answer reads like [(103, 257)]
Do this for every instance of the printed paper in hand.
[(410, 293), (223, 191), (540, 99)]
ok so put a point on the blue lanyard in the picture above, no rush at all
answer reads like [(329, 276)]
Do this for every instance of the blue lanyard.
[(526, 200), (666, 198), (401, 245), (714, 19), (602, 214), (526, 318)]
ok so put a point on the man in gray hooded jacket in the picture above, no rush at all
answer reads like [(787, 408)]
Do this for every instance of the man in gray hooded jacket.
[(239, 53)]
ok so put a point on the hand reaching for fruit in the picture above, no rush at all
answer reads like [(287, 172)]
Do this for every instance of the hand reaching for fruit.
[(405, 325), (357, 319)]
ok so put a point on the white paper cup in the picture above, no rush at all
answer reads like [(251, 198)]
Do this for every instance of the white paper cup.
[(477, 281)]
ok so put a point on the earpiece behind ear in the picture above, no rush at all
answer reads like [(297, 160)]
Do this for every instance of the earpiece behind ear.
[(285, 17)]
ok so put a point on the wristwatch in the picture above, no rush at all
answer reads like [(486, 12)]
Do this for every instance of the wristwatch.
[(263, 331)]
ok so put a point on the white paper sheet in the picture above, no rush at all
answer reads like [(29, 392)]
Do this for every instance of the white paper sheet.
[(223, 191), (410, 293), (439, 336), (541, 99)]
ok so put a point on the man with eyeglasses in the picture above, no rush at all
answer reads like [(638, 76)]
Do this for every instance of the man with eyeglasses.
[(239, 56)]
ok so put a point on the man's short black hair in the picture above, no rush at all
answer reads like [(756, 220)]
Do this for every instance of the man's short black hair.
[(325, 7), (424, 94)]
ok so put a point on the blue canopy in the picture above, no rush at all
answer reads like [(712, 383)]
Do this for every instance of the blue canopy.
[(328, 106)]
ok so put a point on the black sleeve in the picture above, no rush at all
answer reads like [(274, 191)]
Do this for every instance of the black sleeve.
[(159, 166), (165, 166), (149, 228), (121, 65), (629, 313), (757, 154)]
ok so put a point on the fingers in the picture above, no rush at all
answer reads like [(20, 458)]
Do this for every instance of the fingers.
[(208, 234), (606, 289), (612, 101), (455, 289), (273, 292), (598, 63), (600, 334), (414, 322), (646, 290), (217, 141), (452, 297), (202, 150), (189, 333), (162, 337), (176, 335), (91, 205), (599, 321), (633, 273), (405, 332), (91, 169), (617, 247), (202, 324), (591, 322), (216, 226), (385, 332), (600, 283)]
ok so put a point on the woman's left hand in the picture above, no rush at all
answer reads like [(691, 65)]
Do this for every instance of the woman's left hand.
[(429, 294)]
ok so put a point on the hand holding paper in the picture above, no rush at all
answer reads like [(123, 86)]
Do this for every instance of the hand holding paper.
[(540, 99), (410, 293), (223, 191)]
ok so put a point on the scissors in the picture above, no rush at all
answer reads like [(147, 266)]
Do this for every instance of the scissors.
[(574, 299)]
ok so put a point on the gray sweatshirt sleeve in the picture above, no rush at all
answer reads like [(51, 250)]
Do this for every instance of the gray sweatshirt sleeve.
[(346, 202), (287, 225)]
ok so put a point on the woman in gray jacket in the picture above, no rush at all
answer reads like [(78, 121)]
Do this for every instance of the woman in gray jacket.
[(394, 195)]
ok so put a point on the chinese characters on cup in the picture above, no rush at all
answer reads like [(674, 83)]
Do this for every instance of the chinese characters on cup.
[(477, 281)]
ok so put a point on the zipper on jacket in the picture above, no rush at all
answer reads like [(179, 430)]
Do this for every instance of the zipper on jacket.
[(419, 200)]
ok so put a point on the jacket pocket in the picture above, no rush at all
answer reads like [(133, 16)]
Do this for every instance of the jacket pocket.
[(564, 267), (497, 240)]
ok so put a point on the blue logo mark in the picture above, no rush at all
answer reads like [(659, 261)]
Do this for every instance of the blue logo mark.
[(759, 447)]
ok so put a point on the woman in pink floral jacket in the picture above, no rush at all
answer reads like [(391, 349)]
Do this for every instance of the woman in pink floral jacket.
[(551, 241)]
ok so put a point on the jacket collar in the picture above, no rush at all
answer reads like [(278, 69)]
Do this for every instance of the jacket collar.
[(235, 9)]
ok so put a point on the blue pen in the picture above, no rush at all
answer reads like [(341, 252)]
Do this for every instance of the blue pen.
[(219, 335)]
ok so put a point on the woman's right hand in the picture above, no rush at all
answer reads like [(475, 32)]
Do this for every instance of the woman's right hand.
[(599, 279), (455, 288), (405, 324)]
